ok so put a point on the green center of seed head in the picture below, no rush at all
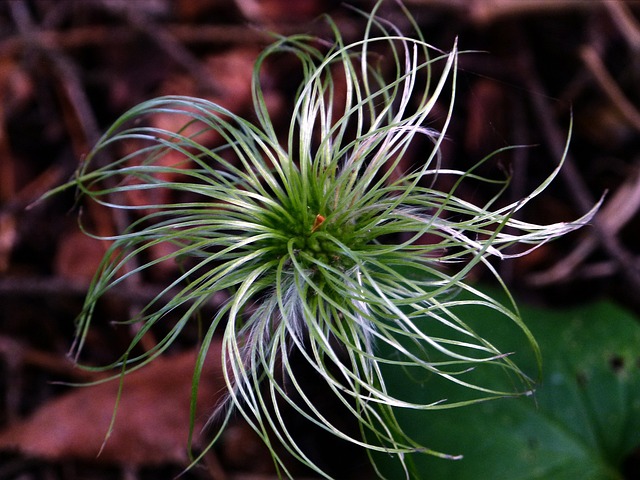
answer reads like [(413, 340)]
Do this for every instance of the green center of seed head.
[(309, 238), (310, 234)]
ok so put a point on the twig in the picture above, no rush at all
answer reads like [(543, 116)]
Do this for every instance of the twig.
[(626, 22), (595, 65), (580, 194), (82, 117), (620, 208), (39, 286), (167, 42), (66, 72), (100, 35), (487, 11), (20, 354), (602, 269)]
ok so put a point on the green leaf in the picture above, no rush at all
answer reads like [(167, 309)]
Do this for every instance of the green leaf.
[(583, 419)]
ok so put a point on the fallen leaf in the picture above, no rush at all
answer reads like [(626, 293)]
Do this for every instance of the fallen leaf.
[(152, 422), (282, 11), (78, 256), (8, 238)]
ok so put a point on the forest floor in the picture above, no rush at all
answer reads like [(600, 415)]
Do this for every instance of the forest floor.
[(69, 68)]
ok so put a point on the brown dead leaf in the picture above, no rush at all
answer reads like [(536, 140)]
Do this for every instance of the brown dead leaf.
[(152, 422), (486, 101), (231, 73), (78, 256), (282, 11), (193, 10), (8, 238)]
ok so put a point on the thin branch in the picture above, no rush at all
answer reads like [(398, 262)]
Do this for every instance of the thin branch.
[(570, 173), (626, 22), (65, 71), (609, 86), (620, 208), (482, 12), (45, 286), (18, 354), (167, 42)]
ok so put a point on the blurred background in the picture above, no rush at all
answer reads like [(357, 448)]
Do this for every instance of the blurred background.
[(69, 68)]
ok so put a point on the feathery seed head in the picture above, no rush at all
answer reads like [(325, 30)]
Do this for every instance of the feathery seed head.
[(318, 237)]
